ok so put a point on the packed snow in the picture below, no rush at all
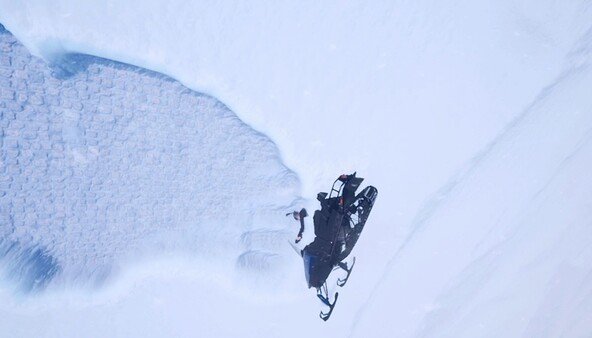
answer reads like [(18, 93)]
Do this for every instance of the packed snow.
[(151, 150)]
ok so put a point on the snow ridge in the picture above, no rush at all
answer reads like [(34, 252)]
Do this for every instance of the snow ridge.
[(103, 163)]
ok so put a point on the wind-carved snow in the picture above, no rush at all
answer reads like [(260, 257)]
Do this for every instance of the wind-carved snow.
[(104, 162)]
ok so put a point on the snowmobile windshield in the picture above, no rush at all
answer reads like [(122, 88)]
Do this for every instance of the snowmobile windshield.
[(309, 261)]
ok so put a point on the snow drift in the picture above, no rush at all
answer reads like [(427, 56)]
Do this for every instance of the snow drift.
[(103, 162)]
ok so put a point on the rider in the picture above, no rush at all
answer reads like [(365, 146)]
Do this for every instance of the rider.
[(299, 215)]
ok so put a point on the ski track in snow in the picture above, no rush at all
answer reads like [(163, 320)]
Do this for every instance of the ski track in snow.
[(543, 112), (103, 162)]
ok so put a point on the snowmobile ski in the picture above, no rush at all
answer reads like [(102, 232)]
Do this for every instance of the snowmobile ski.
[(325, 316), (341, 282)]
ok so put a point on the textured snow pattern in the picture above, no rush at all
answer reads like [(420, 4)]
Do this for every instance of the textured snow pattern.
[(103, 161)]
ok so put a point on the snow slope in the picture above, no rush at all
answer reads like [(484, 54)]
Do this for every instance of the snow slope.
[(505, 244), (471, 118)]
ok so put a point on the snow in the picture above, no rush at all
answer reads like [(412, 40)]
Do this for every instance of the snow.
[(494, 262), (473, 119), (109, 168)]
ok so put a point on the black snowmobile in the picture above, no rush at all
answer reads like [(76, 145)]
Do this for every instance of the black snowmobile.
[(337, 226)]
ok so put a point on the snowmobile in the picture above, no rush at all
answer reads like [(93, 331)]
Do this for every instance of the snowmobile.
[(337, 226)]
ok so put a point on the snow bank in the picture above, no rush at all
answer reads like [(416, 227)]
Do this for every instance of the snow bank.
[(104, 162)]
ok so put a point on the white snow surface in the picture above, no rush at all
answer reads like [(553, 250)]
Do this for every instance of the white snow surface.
[(473, 119)]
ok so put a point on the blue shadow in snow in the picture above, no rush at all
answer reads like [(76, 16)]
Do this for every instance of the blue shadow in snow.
[(32, 268)]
